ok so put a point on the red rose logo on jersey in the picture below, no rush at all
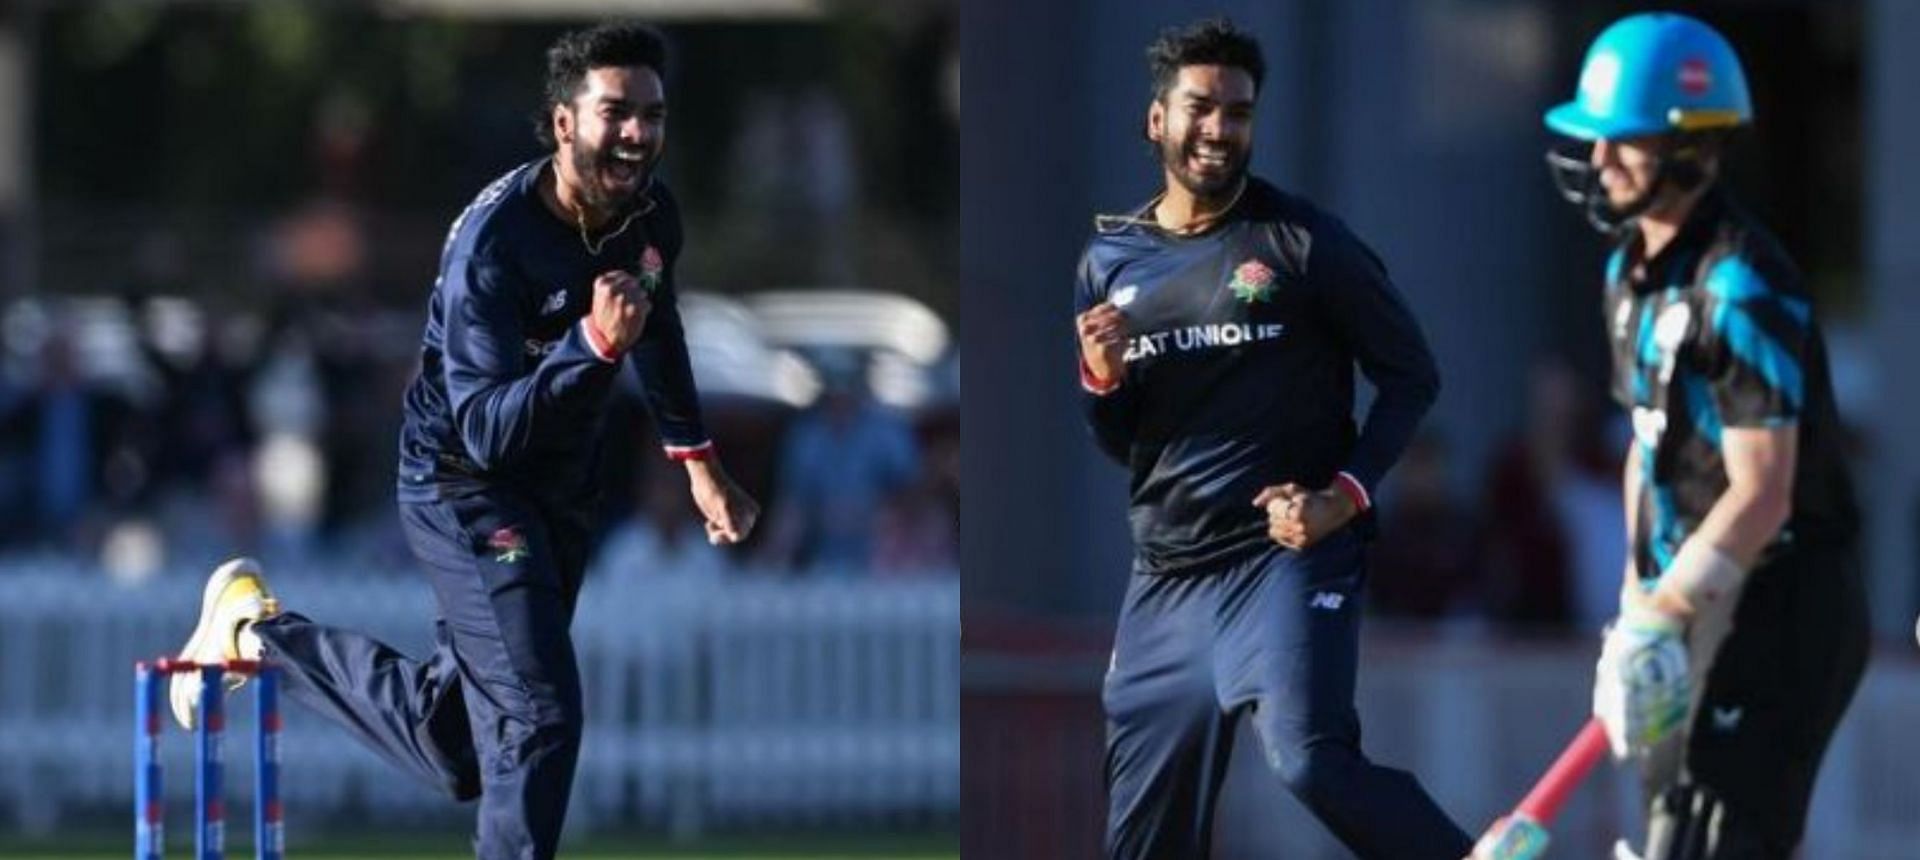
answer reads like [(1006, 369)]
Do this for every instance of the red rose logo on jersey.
[(651, 267), (1252, 282), (508, 546)]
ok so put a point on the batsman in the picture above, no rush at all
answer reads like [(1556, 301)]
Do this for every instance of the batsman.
[(1742, 630)]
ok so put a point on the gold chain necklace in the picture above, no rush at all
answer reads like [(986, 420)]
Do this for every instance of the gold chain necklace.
[(580, 215), (1201, 223), (1111, 223), (580, 218)]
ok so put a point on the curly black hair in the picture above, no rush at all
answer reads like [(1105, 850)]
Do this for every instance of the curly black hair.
[(603, 46), (1207, 42)]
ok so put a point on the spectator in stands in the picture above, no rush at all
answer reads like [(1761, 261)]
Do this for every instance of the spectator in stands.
[(1425, 562), (1555, 555), (61, 433), (919, 532), (202, 412), (657, 539), (202, 437), (841, 463)]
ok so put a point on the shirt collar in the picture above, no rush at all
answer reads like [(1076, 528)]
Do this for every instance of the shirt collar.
[(1694, 235), (1251, 191)]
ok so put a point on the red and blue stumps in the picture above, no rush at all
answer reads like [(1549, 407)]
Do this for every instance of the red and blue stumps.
[(209, 763), (149, 808), (209, 820), (269, 834)]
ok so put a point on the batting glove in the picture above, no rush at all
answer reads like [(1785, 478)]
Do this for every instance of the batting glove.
[(1641, 691)]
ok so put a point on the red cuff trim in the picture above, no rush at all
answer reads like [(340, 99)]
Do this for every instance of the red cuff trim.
[(601, 348), (1354, 490), (1094, 384), (683, 453)]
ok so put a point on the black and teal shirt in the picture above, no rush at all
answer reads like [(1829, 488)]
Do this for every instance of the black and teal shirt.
[(1716, 332), (511, 390), (1240, 369)]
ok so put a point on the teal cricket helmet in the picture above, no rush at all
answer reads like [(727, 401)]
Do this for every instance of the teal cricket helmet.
[(1655, 73)]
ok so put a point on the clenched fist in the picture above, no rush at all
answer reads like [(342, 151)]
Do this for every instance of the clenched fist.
[(1298, 518), (1103, 340), (729, 511), (620, 309)]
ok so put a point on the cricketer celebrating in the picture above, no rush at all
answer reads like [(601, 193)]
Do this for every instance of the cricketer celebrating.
[(1219, 324), (1741, 519), (556, 275)]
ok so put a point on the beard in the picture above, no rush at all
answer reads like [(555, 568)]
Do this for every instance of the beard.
[(609, 184), (1179, 156), (1624, 205), (1622, 200)]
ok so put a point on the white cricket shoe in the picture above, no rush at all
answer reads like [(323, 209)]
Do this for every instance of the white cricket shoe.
[(236, 594)]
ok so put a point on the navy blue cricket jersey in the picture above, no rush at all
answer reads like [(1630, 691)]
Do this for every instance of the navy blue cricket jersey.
[(511, 392), (1717, 331), (1243, 342)]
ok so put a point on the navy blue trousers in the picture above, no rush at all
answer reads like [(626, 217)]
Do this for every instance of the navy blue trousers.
[(495, 711), (1273, 638)]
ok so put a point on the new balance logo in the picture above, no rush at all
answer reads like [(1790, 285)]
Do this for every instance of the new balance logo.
[(1727, 719), (1327, 600), (554, 302)]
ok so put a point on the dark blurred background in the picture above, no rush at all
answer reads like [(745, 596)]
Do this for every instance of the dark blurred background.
[(219, 225), (1418, 122)]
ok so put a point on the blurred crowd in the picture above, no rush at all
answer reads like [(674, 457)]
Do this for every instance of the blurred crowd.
[(144, 432), (213, 358), (1536, 543)]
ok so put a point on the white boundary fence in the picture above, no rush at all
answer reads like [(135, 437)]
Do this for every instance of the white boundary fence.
[(726, 703)]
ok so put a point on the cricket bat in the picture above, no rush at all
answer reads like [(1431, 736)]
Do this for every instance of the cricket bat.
[(1522, 833)]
